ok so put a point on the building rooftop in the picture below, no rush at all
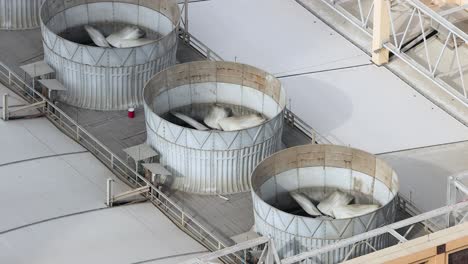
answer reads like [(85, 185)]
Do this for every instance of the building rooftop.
[(53, 205), (55, 189)]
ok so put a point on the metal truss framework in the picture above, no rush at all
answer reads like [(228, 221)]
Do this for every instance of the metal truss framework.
[(411, 23), (456, 212)]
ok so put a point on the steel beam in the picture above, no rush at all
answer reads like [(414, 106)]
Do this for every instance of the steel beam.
[(230, 250), (376, 232)]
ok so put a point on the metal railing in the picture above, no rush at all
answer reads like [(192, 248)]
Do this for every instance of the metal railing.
[(119, 167), (398, 232), (189, 38), (302, 126), (199, 46), (456, 191), (413, 23), (451, 79), (264, 248)]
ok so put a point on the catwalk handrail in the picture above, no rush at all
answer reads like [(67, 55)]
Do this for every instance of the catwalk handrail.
[(376, 232), (352, 241), (199, 46), (116, 164), (302, 126), (425, 66), (439, 19)]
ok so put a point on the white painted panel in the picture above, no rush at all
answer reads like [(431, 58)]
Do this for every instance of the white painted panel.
[(229, 93), (161, 103), (381, 192), (203, 92), (252, 99), (270, 107), (100, 12), (148, 18), (165, 25), (76, 16), (362, 183), (287, 181), (268, 190), (311, 44), (80, 239), (127, 13), (338, 178), (178, 96), (355, 107)]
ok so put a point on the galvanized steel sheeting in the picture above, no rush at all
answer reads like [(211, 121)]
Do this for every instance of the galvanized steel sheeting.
[(19, 14), (108, 78), (293, 169), (213, 162)]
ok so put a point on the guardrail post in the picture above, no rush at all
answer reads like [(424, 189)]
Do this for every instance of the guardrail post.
[(451, 198), (5, 107), (186, 29), (77, 133), (381, 32), (109, 192), (9, 77)]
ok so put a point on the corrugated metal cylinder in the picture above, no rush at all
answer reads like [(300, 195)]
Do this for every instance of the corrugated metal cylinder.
[(321, 169), (19, 14), (213, 161), (107, 78)]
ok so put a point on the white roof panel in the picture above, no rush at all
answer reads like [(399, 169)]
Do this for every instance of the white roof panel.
[(345, 99), (136, 233)]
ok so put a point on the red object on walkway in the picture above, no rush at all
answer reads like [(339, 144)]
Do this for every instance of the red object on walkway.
[(131, 112)]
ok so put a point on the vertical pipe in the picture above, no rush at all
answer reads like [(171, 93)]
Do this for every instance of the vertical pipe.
[(5, 107)]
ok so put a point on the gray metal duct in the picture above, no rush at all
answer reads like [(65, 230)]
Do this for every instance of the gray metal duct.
[(321, 169), (19, 14), (213, 161), (107, 78)]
